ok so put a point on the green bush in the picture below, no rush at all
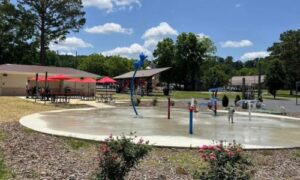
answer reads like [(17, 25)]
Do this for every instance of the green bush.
[(225, 101), (138, 101), (237, 98), (118, 155), (260, 99), (225, 161), (154, 101)]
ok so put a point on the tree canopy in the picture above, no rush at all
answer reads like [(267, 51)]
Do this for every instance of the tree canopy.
[(165, 57), (275, 77), (53, 20), (288, 51), (16, 31)]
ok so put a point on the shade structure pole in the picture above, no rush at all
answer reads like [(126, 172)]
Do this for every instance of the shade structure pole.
[(46, 78), (45, 91), (36, 84), (132, 92)]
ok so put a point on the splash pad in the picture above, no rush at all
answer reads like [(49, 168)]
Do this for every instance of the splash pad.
[(263, 131)]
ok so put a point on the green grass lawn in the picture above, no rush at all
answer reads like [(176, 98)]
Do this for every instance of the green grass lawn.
[(181, 95), (281, 95)]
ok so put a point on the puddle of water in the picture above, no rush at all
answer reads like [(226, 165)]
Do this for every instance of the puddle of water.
[(264, 131)]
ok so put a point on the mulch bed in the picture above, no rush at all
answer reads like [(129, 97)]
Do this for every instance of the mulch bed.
[(32, 155)]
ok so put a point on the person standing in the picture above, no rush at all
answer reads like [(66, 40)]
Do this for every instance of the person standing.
[(230, 114)]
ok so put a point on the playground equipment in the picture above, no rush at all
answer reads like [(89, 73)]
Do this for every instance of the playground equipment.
[(169, 107), (191, 109), (250, 103), (214, 99), (297, 90), (137, 65)]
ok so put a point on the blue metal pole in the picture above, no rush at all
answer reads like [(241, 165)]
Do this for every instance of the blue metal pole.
[(191, 122), (132, 92)]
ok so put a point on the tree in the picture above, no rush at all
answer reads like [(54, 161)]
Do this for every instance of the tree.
[(191, 50), (107, 66), (238, 65), (215, 77), (288, 50), (16, 30), (54, 19), (275, 77), (165, 57)]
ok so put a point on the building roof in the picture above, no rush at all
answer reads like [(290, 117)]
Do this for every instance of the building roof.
[(32, 69), (142, 73), (249, 80)]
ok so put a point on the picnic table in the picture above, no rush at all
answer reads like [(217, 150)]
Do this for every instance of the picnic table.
[(60, 97)]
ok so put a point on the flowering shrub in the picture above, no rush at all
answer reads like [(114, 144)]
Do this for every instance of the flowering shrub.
[(225, 160), (118, 155)]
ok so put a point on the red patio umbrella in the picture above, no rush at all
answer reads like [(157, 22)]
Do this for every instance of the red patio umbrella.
[(106, 80), (42, 78), (60, 77), (89, 80), (75, 80)]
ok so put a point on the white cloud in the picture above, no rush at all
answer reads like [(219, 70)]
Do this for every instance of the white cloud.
[(101, 4), (69, 44), (163, 30), (155, 34), (254, 55), (110, 5), (236, 44), (109, 28), (67, 53), (238, 5), (151, 37), (151, 43), (202, 35), (127, 2), (132, 51)]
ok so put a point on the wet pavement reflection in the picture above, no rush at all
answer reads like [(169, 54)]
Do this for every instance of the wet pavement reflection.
[(263, 131)]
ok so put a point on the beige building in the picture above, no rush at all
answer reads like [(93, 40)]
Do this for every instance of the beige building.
[(14, 77), (249, 80)]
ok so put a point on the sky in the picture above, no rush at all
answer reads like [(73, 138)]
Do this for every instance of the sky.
[(243, 29)]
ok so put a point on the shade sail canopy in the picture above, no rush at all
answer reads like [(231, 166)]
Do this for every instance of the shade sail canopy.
[(42, 78), (106, 80), (60, 77)]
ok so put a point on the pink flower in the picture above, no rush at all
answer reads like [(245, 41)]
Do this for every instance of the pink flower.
[(218, 149), (212, 158), (230, 154), (211, 148), (203, 156), (204, 147), (104, 149)]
